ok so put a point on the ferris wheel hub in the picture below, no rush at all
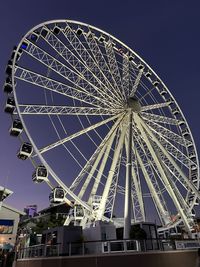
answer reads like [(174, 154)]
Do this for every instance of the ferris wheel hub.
[(134, 104)]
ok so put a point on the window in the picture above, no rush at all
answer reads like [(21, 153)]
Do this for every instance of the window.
[(6, 226)]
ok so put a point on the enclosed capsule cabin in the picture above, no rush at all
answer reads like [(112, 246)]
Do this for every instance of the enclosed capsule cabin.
[(18, 53), (56, 30), (79, 31), (9, 68), (181, 123), (101, 39), (192, 155), (10, 105), (16, 128), (78, 211), (148, 75), (185, 132), (156, 83), (170, 101), (163, 92), (8, 86), (40, 174), (25, 151), (57, 195), (34, 37), (24, 45), (175, 111), (140, 66)]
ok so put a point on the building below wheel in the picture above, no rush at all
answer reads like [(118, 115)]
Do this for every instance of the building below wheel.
[(9, 219)]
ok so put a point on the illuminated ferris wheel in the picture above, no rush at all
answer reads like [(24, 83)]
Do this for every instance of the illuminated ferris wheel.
[(100, 127)]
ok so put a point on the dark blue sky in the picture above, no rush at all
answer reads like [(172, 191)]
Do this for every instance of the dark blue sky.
[(165, 34)]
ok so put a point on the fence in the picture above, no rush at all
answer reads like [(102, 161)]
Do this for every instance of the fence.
[(105, 247), (38, 251), (84, 248)]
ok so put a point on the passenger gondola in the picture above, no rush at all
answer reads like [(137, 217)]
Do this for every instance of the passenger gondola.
[(10, 105), (40, 174), (57, 195), (16, 128), (25, 151)]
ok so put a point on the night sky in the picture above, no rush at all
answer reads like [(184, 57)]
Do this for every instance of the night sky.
[(165, 34)]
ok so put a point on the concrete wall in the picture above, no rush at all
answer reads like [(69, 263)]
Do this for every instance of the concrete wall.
[(150, 259)]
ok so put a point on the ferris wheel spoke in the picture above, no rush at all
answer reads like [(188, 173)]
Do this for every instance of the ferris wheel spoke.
[(96, 52), (170, 175), (155, 106), (111, 173), (177, 154), (158, 118), (125, 75), (78, 65), (171, 160), (161, 209), (164, 132), (91, 173), (71, 137), (163, 176), (67, 73), (90, 162), (136, 83), (113, 65), (89, 62), (173, 150), (137, 199), (152, 174), (65, 110), (58, 87), (114, 184), (113, 190), (174, 170), (96, 164), (101, 168), (174, 173)]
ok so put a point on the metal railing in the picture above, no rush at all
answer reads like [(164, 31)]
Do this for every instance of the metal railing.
[(83, 248), (105, 247), (98, 247), (38, 251)]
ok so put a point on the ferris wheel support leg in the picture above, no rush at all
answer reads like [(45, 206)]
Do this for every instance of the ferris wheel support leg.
[(127, 205), (117, 152)]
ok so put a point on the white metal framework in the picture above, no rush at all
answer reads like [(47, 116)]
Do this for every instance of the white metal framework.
[(104, 125)]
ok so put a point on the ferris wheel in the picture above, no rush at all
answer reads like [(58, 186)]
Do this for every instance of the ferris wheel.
[(100, 127)]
